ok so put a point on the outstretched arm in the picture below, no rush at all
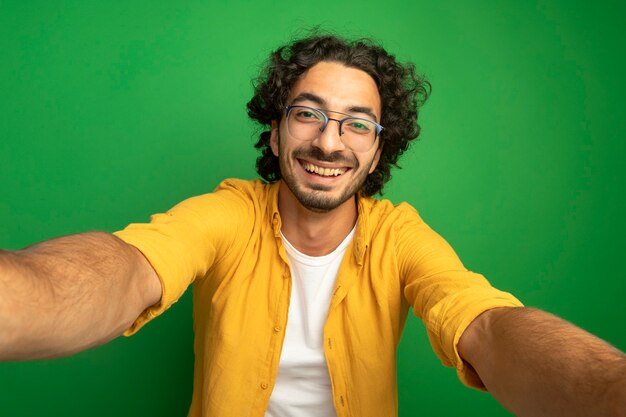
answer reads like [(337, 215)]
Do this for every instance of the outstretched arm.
[(71, 293), (536, 364)]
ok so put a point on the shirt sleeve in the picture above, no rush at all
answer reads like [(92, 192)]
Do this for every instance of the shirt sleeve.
[(442, 292), (183, 243)]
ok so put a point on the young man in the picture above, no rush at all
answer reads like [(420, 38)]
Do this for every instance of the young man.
[(302, 284)]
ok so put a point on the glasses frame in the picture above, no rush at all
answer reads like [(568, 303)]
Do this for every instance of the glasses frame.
[(340, 122)]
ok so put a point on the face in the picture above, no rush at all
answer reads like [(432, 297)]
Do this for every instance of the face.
[(323, 174)]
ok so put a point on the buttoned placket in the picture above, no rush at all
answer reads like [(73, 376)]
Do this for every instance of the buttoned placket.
[(333, 341), (332, 345), (279, 322)]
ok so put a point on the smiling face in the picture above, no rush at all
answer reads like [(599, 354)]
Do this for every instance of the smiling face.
[(322, 174)]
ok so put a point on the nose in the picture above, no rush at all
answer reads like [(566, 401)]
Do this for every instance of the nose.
[(329, 140)]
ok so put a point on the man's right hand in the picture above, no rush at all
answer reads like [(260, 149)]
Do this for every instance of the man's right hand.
[(72, 293)]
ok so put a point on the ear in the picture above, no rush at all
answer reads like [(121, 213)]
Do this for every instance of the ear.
[(376, 159), (274, 138)]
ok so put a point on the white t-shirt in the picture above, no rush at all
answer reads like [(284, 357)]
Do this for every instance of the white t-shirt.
[(303, 387)]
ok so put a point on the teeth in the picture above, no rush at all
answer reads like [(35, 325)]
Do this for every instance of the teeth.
[(325, 172)]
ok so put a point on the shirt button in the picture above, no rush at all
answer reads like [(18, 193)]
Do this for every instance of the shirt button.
[(277, 329), (264, 385)]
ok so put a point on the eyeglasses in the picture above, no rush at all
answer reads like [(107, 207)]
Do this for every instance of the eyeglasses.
[(307, 123)]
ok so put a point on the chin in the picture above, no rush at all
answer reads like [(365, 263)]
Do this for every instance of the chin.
[(320, 200)]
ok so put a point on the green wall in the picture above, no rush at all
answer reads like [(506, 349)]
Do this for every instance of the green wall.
[(111, 111)]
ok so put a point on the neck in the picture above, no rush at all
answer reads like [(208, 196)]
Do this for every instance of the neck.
[(314, 233)]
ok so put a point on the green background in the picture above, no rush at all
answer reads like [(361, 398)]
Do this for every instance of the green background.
[(111, 111)]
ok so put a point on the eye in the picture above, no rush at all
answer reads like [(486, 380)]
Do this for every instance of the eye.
[(359, 126), (307, 115)]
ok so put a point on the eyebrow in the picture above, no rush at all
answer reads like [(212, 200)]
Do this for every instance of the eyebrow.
[(304, 96)]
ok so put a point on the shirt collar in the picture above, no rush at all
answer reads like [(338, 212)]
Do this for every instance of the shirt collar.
[(272, 205)]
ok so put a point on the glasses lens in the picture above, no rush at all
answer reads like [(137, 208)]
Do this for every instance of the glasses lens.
[(358, 134), (305, 123)]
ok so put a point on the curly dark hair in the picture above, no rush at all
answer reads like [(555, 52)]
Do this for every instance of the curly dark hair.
[(402, 92)]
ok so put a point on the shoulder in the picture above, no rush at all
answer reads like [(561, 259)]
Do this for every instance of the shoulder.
[(402, 227), (255, 186), (232, 200), (382, 213), (232, 191)]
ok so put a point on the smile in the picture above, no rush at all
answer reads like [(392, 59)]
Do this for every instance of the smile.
[(322, 171)]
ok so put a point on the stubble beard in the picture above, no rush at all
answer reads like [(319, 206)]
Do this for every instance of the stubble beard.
[(316, 198)]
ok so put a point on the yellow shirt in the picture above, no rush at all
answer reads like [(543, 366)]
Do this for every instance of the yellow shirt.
[(227, 243)]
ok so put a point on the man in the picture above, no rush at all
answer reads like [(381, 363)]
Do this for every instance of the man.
[(302, 284)]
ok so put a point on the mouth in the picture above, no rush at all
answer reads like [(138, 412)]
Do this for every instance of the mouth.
[(322, 171)]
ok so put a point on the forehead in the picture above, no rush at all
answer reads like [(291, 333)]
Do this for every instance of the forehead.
[(339, 86)]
